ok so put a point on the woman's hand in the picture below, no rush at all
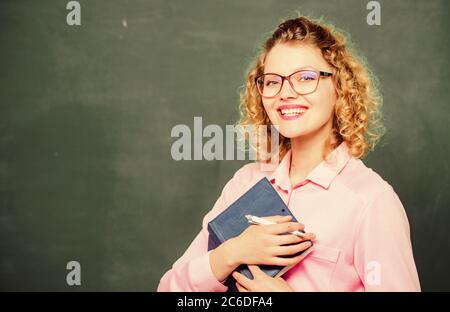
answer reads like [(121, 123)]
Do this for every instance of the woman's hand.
[(260, 282), (263, 244), (260, 244)]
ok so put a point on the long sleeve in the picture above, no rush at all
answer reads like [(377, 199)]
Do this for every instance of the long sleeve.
[(383, 255), (192, 272)]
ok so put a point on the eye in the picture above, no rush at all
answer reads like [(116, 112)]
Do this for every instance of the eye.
[(306, 76), (269, 83)]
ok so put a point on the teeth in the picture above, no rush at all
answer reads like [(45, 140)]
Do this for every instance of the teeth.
[(293, 111)]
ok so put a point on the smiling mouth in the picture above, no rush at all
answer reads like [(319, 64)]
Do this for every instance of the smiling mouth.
[(291, 112)]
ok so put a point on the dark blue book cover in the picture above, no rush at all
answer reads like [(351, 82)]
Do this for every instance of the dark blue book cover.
[(261, 200)]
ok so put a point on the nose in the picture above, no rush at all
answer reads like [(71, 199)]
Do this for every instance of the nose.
[(287, 91)]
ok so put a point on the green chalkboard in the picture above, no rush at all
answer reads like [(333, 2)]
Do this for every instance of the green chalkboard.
[(86, 114)]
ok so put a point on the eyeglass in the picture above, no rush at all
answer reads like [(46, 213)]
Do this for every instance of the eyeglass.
[(302, 82)]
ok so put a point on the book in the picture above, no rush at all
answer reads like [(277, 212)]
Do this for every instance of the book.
[(261, 200)]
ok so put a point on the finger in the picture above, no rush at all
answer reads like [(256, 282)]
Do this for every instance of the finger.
[(287, 239), (288, 261), (305, 237), (242, 279), (278, 219), (285, 227), (255, 270), (292, 249), (241, 288), (309, 236)]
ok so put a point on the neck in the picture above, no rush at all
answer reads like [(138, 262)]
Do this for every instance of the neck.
[(307, 152)]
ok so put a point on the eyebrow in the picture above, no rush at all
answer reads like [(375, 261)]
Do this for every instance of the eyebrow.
[(295, 70)]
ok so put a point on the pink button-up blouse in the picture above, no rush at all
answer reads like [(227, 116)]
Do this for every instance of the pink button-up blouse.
[(363, 237)]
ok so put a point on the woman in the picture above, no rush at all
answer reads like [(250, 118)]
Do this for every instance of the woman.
[(324, 101)]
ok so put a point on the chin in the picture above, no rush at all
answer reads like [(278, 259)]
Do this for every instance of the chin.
[(291, 133)]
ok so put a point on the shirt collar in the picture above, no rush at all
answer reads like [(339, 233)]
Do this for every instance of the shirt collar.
[(323, 174)]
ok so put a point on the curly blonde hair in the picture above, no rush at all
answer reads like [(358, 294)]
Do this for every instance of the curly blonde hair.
[(357, 116)]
